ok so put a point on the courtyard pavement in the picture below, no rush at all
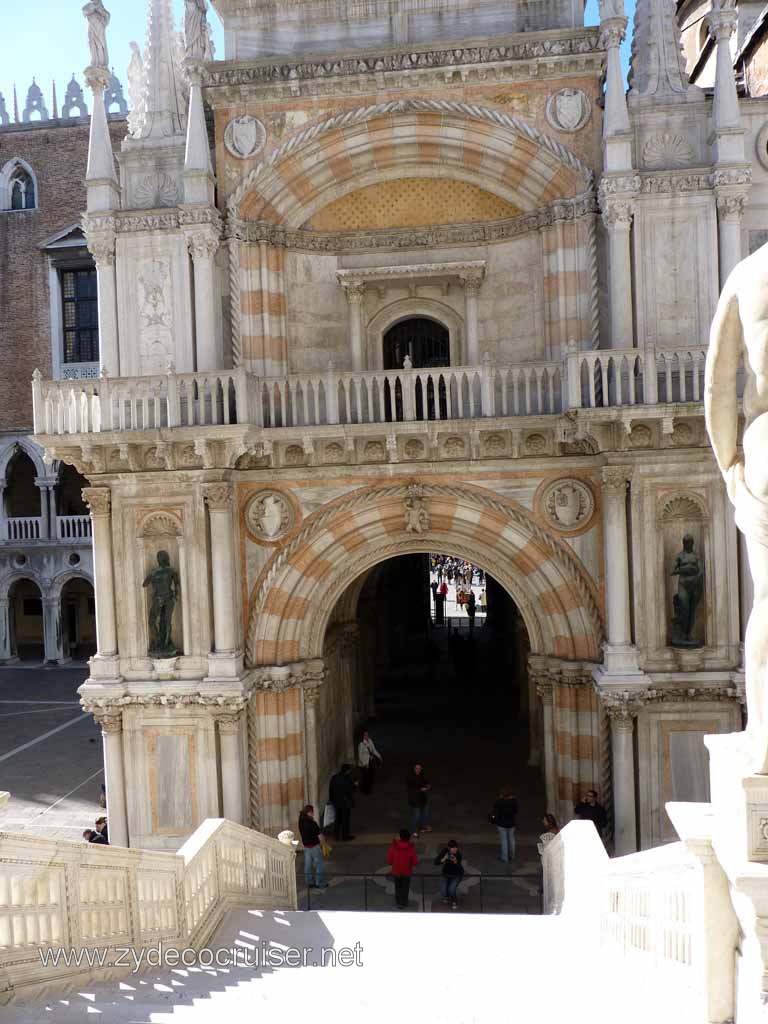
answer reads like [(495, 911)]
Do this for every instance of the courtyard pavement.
[(50, 752)]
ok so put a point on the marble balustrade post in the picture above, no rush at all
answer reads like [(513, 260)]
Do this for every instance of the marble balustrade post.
[(98, 500)]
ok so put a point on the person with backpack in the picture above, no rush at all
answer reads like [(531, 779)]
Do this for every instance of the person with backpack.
[(450, 859), (402, 859)]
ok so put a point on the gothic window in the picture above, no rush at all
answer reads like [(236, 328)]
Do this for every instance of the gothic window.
[(21, 186), (80, 316)]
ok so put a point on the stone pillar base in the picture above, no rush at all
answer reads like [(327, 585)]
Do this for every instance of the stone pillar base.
[(621, 660), (105, 667), (228, 666)]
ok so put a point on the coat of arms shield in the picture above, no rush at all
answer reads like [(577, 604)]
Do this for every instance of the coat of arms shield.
[(568, 109)]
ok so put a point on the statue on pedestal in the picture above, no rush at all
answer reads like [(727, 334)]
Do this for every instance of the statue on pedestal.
[(690, 587), (166, 590), (97, 17), (195, 30), (740, 329)]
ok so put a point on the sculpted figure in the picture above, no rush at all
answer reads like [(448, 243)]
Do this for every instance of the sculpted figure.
[(740, 329), (690, 586), (195, 29), (166, 589), (97, 17)]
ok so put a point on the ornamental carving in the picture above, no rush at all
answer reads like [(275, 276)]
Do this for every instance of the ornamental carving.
[(269, 515), (218, 497), (683, 506), (535, 444), (682, 435), (245, 136), (494, 444), (414, 449), (568, 110), (454, 447), (416, 515), (567, 504), (98, 500), (641, 436), (160, 524), (294, 455), (334, 453), (667, 150), (375, 451), (155, 190)]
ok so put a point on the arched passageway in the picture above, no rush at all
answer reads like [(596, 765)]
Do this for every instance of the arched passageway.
[(78, 619), (25, 621)]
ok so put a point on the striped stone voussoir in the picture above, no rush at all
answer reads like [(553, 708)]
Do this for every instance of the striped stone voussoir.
[(294, 597)]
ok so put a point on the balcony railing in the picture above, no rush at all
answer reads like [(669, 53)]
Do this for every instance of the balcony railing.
[(73, 528), (21, 528), (594, 379)]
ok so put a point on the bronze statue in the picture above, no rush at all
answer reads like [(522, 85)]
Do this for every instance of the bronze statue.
[(690, 587), (166, 589)]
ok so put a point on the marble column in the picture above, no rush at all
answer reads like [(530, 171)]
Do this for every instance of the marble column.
[(102, 249), (311, 695), (546, 695), (623, 768), (355, 294), (6, 651), (202, 248), (617, 218), (218, 498), (45, 523), (98, 500), (730, 211), (232, 766), (471, 292), (111, 723), (53, 639), (619, 653)]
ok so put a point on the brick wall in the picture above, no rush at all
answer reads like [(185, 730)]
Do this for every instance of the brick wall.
[(58, 153)]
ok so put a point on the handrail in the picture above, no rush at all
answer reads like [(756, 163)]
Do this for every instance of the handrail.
[(60, 894), (591, 379)]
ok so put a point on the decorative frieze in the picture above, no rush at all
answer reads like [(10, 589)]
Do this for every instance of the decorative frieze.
[(101, 707)]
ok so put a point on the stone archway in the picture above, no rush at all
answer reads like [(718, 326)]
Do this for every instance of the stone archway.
[(294, 598)]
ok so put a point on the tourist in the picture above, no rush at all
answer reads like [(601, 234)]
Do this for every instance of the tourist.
[(453, 871), (101, 827), (341, 793), (551, 828), (471, 609), (91, 836), (402, 858), (483, 601), (590, 810), (418, 800), (433, 587), (505, 819), (367, 756), (314, 862)]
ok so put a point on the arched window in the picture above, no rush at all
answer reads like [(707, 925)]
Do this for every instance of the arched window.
[(18, 189), (424, 341)]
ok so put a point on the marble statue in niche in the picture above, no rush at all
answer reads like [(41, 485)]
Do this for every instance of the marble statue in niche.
[(739, 330), (690, 590), (165, 587)]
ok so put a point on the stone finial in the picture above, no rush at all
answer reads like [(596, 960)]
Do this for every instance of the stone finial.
[(74, 100), (55, 102), (4, 118), (35, 104), (164, 89), (656, 65), (16, 117), (114, 96), (136, 99)]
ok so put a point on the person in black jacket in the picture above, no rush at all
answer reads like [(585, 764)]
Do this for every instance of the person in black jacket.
[(590, 810), (314, 862), (453, 871), (94, 837), (341, 793), (418, 799), (505, 819)]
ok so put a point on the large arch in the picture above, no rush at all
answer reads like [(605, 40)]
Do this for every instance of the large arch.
[(294, 597), (479, 145)]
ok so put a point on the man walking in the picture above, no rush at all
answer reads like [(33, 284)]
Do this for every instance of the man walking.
[(402, 858), (367, 758), (341, 793)]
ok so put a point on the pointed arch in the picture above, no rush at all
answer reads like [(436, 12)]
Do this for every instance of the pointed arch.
[(18, 186), (294, 597)]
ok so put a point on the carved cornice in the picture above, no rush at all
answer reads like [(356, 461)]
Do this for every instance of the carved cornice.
[(122, 222), (412, 238), (101, 706), (581, 44), (464, 270), (307, 675), (618, 184), (669, 183), (627, 704)]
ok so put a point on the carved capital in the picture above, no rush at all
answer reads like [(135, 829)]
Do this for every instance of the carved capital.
[(730, 204), (98, 500), (615, 481), (545, 690), (472, 285), (622, 716), (354, 291), (312, 694), (612, 33), (229, 722), (617, 212), (109, 718), (202, 246), (722, 23), (102, 248), (218, 497)]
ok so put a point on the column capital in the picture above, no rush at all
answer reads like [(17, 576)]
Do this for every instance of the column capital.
[(202, 245), (730, 205), (218, 497), (722, 22), (354, 291), (545, 691), (98, 500), (615, 481), (617, 213), (612, 32), (312, 694), (229, 722), (109, 718), (472, 285), (102, 248)]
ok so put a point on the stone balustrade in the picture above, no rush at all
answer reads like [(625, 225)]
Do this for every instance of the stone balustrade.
[(594, 379), (23, 528), (73, 528), (57, 894)]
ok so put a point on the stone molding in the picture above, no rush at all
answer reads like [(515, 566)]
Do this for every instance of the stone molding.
[(464, 270), (620, 705), (124, 222), (202, 246), (618, 184), (307, 675), (101, 706), (585, 44), (98, 500), (361, 115), (563, 210)]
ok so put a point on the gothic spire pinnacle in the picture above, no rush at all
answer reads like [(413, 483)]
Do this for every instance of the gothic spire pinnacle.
[(15, 105), (656, 64), (164, 84)]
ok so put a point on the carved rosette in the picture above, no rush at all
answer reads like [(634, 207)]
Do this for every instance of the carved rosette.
[(98, 500), (218, 497)]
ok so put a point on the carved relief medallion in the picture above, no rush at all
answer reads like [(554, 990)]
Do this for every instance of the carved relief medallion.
[(568, 110), (269, 515), (245, 136), (567, 504)]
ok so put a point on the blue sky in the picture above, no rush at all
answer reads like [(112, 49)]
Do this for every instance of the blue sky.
[(47, 39)]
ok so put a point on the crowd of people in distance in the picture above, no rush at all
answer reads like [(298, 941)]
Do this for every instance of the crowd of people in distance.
[(402, 856)]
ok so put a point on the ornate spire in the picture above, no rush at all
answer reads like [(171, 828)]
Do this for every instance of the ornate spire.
[(656, 66), (4, 119), (15, 105), (55, 103), (164, 87), (35, 103), (74, 100)]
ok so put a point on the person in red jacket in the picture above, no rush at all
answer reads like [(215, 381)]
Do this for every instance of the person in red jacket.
[(402, 859)]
